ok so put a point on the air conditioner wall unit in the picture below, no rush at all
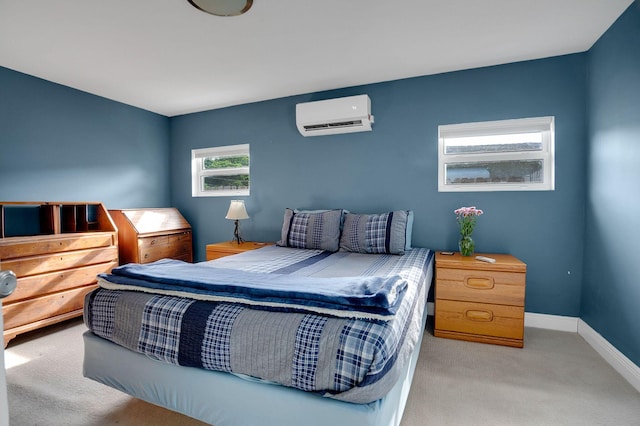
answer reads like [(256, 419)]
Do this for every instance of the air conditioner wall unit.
[(332, 116)]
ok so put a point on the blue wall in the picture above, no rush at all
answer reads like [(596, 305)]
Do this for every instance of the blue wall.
[(57, 143), (611, 294), (61, 144), (395, 167)]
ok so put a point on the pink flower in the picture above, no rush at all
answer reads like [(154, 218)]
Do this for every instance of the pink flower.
[(466, 217)]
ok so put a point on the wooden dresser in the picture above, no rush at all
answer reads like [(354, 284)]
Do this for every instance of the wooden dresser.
[(56, 249), (147, 235), (227, 248), (480, 301)]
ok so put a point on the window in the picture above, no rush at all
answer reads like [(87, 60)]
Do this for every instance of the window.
[(220, 171), (506, 155)]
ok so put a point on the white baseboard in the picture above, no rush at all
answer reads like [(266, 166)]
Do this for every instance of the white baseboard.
[(606, 350), (614, 357), (551, 322)]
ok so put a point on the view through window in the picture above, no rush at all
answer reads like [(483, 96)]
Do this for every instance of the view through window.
[(220, 171), (506, 155)]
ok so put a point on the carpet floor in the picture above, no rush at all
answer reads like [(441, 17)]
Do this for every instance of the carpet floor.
[(557, 379)]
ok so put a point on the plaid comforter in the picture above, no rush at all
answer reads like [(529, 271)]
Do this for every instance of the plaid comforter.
[(348, 359)]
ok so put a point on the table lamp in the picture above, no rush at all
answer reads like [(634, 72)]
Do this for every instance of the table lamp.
[(237, 212)]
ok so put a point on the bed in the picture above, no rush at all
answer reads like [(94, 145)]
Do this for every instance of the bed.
[(225, 358)]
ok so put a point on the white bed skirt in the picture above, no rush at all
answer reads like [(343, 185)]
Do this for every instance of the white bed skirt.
[(222, 399)]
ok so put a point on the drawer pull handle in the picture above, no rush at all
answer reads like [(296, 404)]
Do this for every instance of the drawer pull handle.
[(153, 242), (475, 315), (479, 283)]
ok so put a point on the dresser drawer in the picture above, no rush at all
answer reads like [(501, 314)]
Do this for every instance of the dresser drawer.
[(153, 248), (480, 318), (21, 247), (46, 263), (149, 243), (54, 282), (185, 257), (180, 238), (180, 250), (505, 288), (42, 308), (173, 246)]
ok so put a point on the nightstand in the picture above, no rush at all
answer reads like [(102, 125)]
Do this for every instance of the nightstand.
[(218, 250), (479, 301)]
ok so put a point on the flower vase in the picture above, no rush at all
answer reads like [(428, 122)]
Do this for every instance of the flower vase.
[(467, 246)]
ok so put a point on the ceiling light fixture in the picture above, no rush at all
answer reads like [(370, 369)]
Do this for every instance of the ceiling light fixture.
[(222, 7)]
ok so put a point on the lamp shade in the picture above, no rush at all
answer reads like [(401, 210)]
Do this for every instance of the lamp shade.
[(237, 210)]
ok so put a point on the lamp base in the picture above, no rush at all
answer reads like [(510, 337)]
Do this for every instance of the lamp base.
[(236, 234)]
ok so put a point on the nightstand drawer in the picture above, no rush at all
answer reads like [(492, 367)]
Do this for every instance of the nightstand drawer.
[(505, 288), (211, 255), (480, 319), (228, 248)]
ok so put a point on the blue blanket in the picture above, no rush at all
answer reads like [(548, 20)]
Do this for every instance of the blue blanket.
[(371, 297)]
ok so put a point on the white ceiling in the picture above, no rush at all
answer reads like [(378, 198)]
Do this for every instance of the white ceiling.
[(167, 57)]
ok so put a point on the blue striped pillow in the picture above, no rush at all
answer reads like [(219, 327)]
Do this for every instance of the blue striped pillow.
[(376, 233), (310, 230)]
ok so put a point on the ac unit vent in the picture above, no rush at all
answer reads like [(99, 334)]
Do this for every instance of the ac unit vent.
[(351, 123), (333, 116)]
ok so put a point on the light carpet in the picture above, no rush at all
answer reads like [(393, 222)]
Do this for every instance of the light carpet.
[(557, 379)]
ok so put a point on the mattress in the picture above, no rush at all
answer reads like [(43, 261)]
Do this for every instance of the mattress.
[(348, 359), (223, 399)]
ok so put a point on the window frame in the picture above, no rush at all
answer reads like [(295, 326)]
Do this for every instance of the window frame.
[(198, 172), (543, 125)]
